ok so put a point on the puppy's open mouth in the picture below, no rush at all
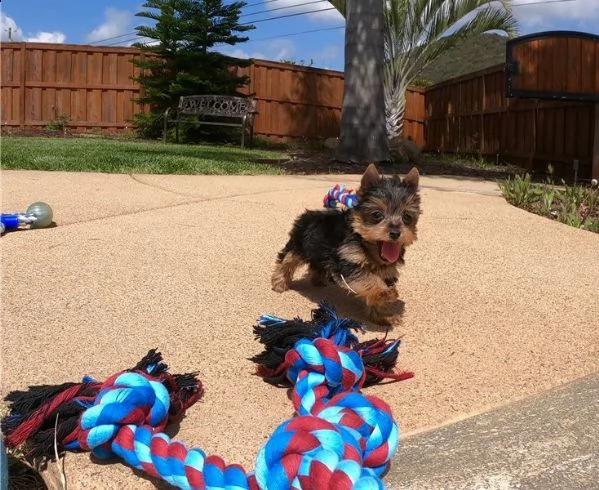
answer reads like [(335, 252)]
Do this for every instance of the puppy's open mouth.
[(389, 251)]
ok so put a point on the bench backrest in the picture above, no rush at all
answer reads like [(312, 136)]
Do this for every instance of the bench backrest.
[(217, 105)]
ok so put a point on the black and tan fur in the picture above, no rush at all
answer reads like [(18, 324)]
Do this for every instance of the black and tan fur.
[(345, 246)]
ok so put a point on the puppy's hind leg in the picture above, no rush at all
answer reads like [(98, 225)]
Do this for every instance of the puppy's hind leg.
[(287, 263)]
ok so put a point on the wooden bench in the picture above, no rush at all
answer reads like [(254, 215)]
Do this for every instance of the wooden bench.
[(229, 110)]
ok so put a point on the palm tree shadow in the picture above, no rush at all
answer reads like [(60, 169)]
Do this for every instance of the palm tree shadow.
[(345, 304)]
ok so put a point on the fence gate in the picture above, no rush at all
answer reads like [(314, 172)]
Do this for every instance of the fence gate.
[(558, 66)]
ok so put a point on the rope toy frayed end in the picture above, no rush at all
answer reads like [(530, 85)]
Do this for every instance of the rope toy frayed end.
[(33, 412), (279, 336), (340, 195)]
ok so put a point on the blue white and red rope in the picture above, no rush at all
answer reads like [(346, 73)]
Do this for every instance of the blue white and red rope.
[(340, 438), (340, 195)]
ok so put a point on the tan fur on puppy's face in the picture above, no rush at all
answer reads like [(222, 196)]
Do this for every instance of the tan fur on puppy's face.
[(402, 216), (388, 212)]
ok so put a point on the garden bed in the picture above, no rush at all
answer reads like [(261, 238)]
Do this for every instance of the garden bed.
[(574, 205)]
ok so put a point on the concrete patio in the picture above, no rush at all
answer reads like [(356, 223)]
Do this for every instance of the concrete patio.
[(500, 305)]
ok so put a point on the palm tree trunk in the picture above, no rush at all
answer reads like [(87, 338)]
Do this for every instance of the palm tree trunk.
[(363, 137), (395, 106)]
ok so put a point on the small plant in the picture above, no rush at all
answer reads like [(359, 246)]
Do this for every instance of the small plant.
[(59, 123), (569, 214), (593, 225), (548, 198), (576, 206), (291, 61), (421, 82), (481, 162), (520, 191)]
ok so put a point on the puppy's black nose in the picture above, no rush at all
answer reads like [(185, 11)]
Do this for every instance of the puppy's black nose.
[(394, 234)]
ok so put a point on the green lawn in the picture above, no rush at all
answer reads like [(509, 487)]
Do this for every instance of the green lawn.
[(112, 156)]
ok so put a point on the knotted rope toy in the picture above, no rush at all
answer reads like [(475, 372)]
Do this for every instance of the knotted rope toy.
[(340, 195), (339, 438)]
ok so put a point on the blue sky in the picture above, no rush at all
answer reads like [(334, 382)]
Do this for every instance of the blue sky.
[(83, 22)]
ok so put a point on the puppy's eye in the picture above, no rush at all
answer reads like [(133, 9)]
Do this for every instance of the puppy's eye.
[(377, 216), (408, 219)]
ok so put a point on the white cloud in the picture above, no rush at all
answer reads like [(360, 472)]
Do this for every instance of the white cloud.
[(116, 23), (284, 49), (9, 30), (329, 53), (274, 50), (8, 25), (47, 37), (143, 40), (329, 57), (322, 11), (241, 54), (553, 16)]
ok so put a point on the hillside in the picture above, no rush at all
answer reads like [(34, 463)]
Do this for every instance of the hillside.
[(481, 52)]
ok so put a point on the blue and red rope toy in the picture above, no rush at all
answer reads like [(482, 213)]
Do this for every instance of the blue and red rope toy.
[(339, 437), (340, 194)]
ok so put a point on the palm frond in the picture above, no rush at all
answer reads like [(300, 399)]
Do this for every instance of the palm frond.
[(417, 32), (340, 5)]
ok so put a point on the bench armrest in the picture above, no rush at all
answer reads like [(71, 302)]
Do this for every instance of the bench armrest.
[(171, 111)]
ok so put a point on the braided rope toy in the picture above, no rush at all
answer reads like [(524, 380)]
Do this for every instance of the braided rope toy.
[(340, 195), (339, 438)]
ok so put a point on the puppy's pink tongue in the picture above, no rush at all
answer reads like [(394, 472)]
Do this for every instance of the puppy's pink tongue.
[(390, 251)]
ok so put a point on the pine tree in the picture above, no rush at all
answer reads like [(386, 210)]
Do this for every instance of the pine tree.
[(179, 59)]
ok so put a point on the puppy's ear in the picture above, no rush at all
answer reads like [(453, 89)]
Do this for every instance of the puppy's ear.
[(371, 177), (412, 177)]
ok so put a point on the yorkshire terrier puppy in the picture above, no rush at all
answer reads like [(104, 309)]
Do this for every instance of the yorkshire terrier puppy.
[(359, 249)]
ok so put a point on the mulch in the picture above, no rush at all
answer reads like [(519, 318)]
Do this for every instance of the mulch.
[(324, 163)]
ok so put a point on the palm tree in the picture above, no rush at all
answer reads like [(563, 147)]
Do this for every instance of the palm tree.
[(418, 31), (363, 136)]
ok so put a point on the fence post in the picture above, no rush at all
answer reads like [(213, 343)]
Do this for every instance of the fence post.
[(459, 116), (595, 154), (22, 88), (481, 146), (143, 108), (252, 75)]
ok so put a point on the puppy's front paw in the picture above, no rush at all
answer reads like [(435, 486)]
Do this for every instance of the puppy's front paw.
[(393, 320), (387, 295), (385, 318)]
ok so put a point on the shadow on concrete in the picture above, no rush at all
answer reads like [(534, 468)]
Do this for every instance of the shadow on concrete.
[(347, 305)]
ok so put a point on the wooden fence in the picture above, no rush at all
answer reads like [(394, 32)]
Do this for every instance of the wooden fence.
[(93, 87), (471, 115), (305, 103)]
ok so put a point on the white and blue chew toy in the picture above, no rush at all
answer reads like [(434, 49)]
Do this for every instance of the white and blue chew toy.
[(38, 215)]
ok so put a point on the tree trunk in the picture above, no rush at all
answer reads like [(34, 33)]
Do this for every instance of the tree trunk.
[(363, 137)]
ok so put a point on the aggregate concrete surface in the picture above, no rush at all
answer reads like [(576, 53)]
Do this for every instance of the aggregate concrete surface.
[(500, 304), (548, 441)]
